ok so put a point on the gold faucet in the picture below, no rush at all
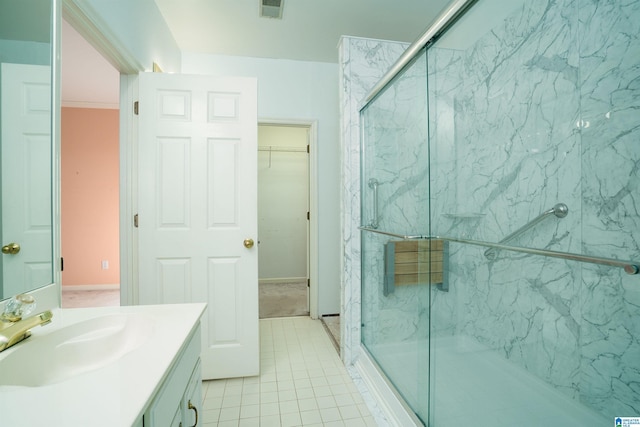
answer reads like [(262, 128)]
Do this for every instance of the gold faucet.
[(20, 330), (13, 326)]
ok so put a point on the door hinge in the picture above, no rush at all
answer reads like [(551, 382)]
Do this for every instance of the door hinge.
[(61, 264), (308, 216), (308, 283), (135, 220), (308, 149), (135, 107)]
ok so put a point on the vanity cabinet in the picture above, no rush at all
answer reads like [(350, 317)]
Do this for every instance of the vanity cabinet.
[(145, 360), (178, 402)]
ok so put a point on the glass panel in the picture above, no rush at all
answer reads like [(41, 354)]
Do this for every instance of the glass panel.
[(531, 105), (395, 314), (609, 124)]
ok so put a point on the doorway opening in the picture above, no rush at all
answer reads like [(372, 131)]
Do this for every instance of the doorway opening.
[(283, 219), (89, 175), (128, 73)]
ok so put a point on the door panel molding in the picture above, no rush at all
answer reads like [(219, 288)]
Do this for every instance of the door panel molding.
[(197, 204)]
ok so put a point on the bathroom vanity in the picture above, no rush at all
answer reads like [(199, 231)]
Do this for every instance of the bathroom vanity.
[(109, 366)]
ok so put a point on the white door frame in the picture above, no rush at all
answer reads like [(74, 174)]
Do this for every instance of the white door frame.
[(313, 203), (128, 68), (100, 38), (128, 190)]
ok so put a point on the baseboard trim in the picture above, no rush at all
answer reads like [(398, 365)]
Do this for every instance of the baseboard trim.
[(99, 287), (282, 280), (395, 410)]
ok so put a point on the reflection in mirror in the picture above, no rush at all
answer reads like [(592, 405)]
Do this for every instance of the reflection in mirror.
[(26, 145)]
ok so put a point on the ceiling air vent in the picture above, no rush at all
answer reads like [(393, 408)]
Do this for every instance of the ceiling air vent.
[(271, 8)]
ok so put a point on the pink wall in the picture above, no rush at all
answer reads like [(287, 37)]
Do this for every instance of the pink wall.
[(90, 206)]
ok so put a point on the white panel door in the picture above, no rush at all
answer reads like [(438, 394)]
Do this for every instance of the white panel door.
[(26, 176), (197, 204)]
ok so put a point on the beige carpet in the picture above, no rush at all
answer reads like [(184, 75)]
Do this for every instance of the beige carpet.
[(283, 300), (101, 298), (276, 299)]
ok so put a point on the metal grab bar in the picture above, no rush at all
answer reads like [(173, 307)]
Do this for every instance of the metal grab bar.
[(373, 184), (560, 210), (630, 267)]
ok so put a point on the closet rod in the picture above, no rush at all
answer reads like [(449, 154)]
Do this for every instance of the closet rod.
[(275, 148)]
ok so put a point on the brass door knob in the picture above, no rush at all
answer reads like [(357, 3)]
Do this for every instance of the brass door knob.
[(11, 249), (248, 243)]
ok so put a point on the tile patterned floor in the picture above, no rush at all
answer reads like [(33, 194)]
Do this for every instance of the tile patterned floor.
[(302, 383)]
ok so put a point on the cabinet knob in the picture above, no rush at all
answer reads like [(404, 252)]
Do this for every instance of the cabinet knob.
[(190, 406)]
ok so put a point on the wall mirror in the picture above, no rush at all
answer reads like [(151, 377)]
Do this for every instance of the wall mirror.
[(26, 47)]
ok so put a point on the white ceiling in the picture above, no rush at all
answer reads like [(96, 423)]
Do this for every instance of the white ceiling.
[(309, 30), (87, 79)]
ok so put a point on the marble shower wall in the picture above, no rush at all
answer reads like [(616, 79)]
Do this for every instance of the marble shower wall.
[(363, 62), (544, 109)]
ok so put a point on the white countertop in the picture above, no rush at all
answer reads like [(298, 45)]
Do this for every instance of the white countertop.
[(113, 395)]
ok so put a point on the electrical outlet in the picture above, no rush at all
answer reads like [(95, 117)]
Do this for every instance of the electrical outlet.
[(105, 264)]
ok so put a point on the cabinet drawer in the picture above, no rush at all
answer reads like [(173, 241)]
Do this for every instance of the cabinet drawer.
[(192, 404)]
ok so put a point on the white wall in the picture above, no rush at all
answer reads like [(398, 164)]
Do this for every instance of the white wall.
[(298, 90), (136, 29)]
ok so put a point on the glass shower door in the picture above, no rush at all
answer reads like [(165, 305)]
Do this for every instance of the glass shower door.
[(395, 189), (532, 104)]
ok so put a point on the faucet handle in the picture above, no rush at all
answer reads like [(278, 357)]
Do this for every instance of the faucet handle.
[(18, 307)]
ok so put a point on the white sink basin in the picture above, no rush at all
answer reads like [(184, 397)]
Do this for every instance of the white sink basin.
[(75, 349)]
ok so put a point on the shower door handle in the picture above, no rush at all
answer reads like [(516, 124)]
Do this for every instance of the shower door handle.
[(373, 185)]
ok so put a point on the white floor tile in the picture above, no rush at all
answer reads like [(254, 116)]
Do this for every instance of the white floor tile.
[(310, 417), (270, 421), (326, 402), (250, 399), (291, 420), (228, 414), (270, 409), (330, 414), (249, 411), (249, 422), (305, 393), (302, 383)]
